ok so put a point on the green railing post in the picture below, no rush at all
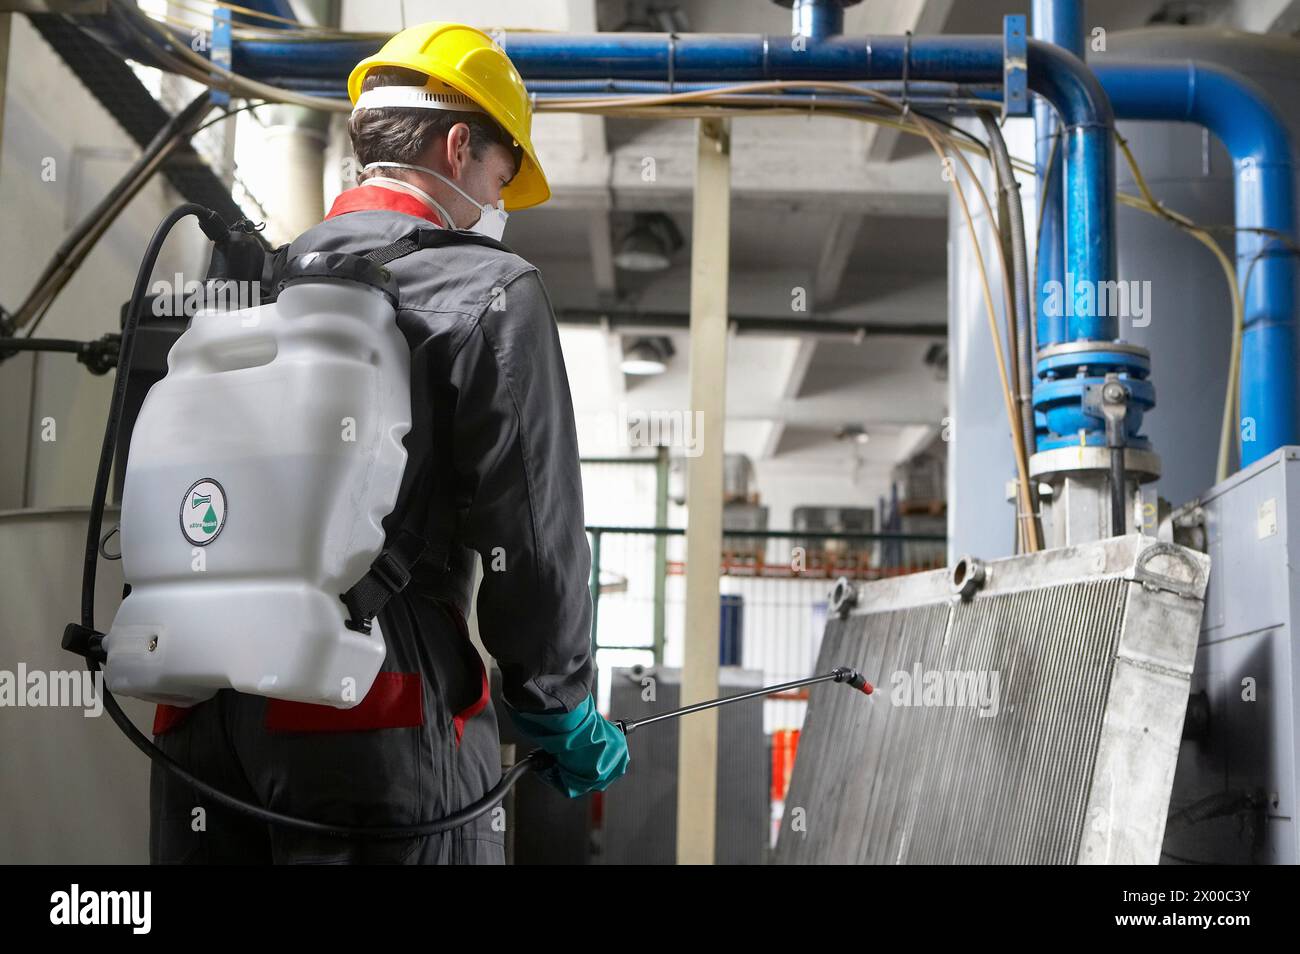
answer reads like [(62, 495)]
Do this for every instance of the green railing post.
[(595, 586), (661, 551)]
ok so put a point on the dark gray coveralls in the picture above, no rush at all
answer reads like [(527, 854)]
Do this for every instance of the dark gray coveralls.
[(492, 437)]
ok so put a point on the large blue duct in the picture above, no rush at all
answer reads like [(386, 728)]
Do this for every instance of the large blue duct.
[(1059, 22), (1239, 113)]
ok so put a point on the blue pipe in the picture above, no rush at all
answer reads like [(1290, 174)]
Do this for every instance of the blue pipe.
[(816, 19), (1059, 22), (739, 57), (1061, 78), (1240, 114), (990, 92), (1054, 74)]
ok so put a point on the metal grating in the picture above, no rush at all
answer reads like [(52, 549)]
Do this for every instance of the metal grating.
[(1092, 675)]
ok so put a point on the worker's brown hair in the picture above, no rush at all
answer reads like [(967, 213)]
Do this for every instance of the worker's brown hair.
[(394, 134)]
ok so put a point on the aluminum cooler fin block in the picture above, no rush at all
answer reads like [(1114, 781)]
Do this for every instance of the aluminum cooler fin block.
[(1053, 732)]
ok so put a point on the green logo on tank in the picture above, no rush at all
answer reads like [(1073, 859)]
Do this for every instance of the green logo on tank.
[(203, 511)]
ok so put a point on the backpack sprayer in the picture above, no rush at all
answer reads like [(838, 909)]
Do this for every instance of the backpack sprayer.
[(179, 640)]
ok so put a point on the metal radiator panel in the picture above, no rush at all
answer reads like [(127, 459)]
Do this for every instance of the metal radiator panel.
[(1092, 649)]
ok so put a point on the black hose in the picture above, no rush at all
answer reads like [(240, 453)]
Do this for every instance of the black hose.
[(1009, 189), (536, 759), (215, 229)]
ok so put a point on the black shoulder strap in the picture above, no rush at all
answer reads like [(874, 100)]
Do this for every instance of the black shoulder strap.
[(272, 270), (419, 238), (387, 576), (421, 534), (393, 250)]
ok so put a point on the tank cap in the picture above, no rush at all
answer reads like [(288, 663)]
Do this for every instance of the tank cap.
[(339, 266)]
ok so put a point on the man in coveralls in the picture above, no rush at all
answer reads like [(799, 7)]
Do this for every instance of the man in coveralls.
[(441, 129)]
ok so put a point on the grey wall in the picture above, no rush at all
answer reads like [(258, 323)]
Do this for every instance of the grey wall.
[(72, 788)]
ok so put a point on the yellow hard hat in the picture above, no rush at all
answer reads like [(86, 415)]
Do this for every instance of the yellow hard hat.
[(467, 60)]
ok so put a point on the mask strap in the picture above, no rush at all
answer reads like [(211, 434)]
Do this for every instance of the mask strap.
[(483, 206), (423, 196)]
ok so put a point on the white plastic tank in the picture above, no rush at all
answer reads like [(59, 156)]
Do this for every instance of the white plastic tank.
[(260, 472)]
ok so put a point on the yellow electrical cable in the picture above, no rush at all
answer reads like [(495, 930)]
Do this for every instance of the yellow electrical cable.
[(297, 29), (1027, 522), (188, 63), (1148, 203), (260, 15), (206, 15), (1227, 430), (1007, 280)]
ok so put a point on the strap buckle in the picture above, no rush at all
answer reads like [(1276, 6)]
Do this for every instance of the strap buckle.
[(358, 624), (391, 571), (388, 575)]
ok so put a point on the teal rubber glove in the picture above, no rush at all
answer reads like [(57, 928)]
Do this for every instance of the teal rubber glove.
[(589, 750)]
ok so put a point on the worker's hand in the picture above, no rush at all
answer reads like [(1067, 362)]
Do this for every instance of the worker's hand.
[(589, 750)]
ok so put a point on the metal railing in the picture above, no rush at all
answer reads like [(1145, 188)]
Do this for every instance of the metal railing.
[(774, 586)]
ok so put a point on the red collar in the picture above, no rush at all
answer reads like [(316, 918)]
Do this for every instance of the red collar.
[(367, 198)]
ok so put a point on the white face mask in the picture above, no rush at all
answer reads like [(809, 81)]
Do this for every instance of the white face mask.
[(491, 221)]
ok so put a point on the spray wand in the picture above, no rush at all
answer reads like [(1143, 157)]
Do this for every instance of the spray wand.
[(838, 674)]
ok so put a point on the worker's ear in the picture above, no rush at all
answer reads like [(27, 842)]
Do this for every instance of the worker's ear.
[(457, 148)]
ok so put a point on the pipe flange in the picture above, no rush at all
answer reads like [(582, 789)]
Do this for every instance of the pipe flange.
[(1076, 347), (1092, 358), (1144, 465), (844, 596), (969, 575)]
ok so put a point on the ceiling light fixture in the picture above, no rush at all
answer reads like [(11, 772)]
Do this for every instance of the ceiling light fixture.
[(646, 356), (650, 244)]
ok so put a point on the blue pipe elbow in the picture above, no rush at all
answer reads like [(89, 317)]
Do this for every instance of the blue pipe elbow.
[(1239, 113), (1087, 144)]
